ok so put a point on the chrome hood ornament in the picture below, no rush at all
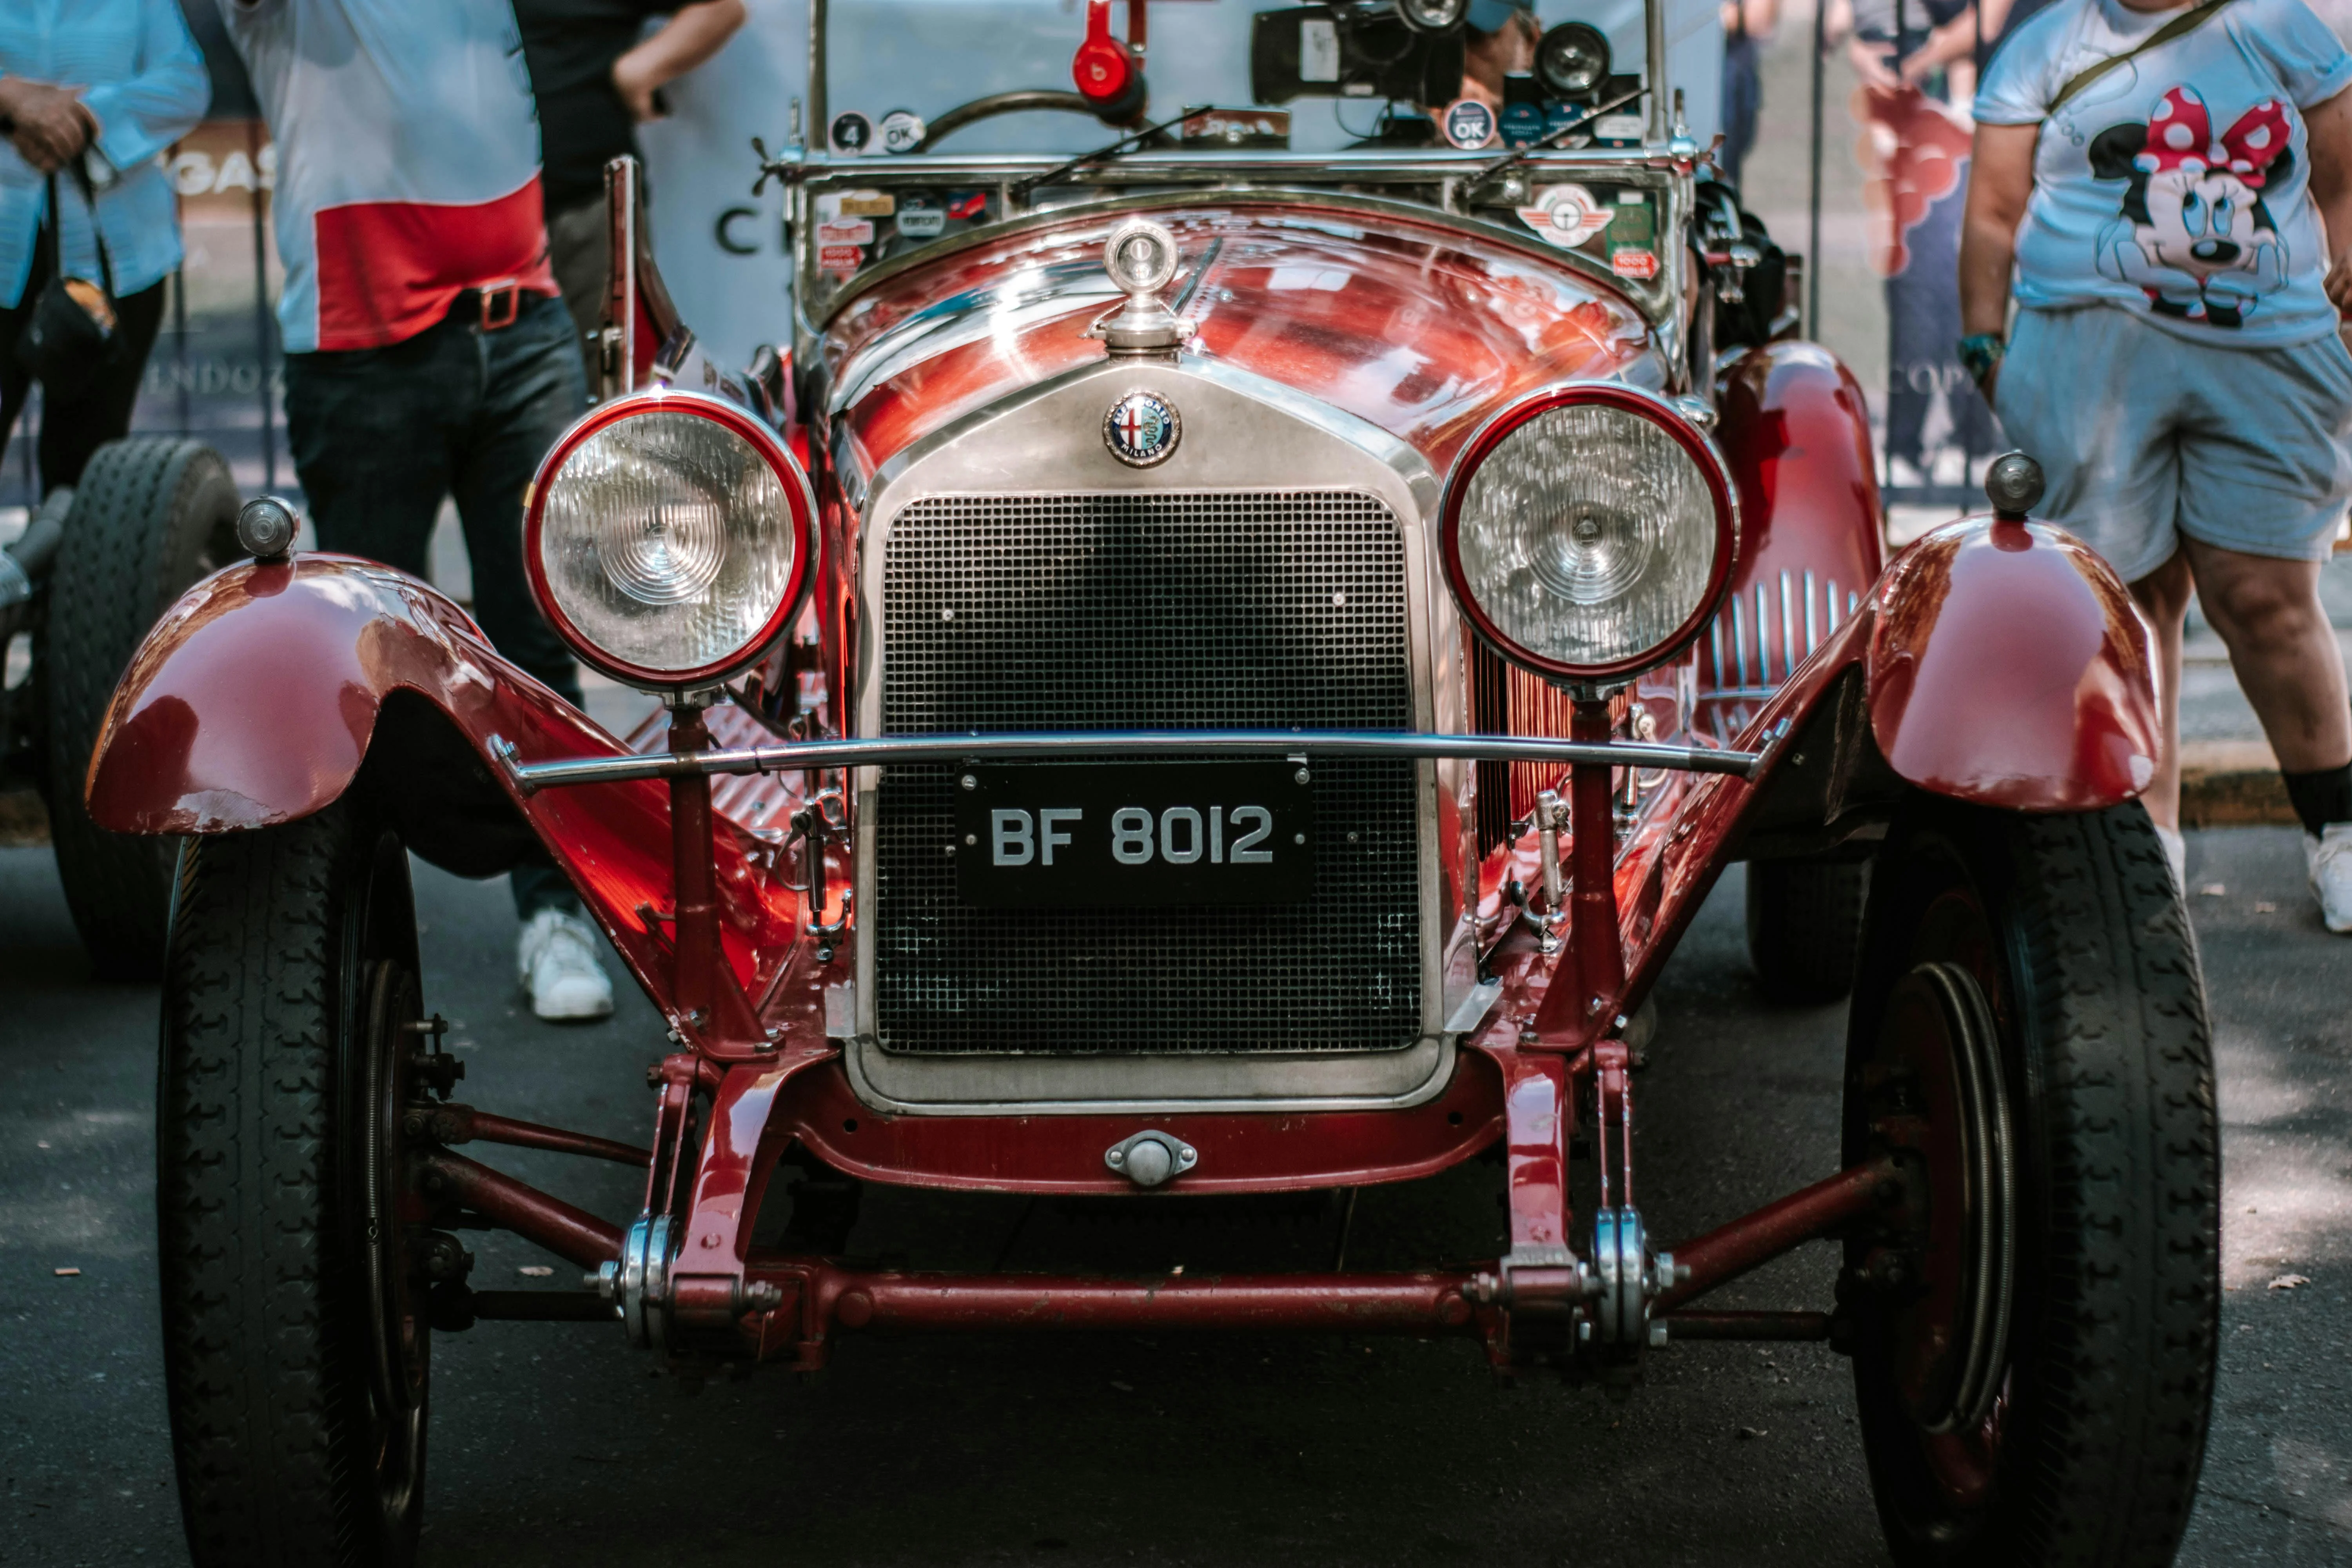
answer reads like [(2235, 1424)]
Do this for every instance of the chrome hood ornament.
[(1140, 256)]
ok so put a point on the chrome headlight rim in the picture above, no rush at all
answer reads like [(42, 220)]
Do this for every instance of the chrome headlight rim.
[(1694, 442), (770, 449)]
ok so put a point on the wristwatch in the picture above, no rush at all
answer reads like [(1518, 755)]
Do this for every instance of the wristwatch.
[(1980, 355)]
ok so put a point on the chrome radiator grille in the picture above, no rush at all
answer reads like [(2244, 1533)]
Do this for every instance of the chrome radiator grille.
[(1164, 611)]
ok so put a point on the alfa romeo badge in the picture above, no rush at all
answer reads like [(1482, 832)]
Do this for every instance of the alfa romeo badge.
[(1141, 429)]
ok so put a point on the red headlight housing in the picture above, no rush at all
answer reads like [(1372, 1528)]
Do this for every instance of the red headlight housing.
[(669, 537), (1589, 531)]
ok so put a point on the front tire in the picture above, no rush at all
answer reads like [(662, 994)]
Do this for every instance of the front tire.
[(2034, 1319), (153, 515), (295, 1348)]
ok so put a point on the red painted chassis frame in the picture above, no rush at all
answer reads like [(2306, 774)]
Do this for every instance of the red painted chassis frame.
[(1999, 662)]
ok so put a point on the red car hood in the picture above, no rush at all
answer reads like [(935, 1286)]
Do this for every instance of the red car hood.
[(1419, 328)]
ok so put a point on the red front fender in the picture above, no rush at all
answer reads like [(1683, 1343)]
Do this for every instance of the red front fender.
[(2007, 667), (253, 701), (268, 690)]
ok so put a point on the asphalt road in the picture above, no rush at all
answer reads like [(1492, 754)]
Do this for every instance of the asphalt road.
[(557, 1444)]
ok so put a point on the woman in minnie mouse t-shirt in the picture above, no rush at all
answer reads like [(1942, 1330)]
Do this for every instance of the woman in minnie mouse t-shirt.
[(2166, 193)]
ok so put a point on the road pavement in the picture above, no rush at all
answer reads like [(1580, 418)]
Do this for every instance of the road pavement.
[(556, 1443)]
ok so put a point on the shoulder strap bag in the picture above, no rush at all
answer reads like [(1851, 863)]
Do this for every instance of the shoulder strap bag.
[(2188, 22), (71, 337)]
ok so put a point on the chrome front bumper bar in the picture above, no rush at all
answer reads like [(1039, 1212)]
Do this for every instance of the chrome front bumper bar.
[(789, 756)]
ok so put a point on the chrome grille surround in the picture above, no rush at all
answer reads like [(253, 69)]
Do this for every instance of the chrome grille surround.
[(1260, 469)]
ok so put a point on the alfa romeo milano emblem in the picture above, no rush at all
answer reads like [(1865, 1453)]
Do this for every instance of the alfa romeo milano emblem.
[(1141, 429)]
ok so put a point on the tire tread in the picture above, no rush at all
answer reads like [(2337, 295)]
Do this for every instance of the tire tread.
[(256, 1370), (143, 522), (2128, 1096)]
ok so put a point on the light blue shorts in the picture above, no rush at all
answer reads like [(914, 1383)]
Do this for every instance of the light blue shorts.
[(2146, 436)]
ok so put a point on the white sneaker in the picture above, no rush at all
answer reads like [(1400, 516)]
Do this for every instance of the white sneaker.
[(2176, 851), (2329, 857), (557, 963)]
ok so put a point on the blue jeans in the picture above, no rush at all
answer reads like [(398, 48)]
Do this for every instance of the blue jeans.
[(380, 436)]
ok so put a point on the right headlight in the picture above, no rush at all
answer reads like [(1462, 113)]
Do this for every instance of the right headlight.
[(1588, 532), (668, 539)]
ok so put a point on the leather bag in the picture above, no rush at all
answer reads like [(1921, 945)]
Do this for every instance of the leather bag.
[(71, 335)]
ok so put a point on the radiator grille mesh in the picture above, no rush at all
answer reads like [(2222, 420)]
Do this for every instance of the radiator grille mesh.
[(1164, 611)]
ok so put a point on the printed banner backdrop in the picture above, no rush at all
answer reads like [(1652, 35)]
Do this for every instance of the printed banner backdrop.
[(1863, 166), (1913, 157)]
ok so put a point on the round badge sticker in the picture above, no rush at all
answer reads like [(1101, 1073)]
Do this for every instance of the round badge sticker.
[(1564, 216), (1141, 429), (853, 133), (1469, 123), (902, 132)]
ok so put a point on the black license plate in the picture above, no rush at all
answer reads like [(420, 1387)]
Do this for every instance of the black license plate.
[(1067, 836)]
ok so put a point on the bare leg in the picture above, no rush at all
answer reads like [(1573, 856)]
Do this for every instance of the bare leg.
[(2163, 597), (2284, 652)]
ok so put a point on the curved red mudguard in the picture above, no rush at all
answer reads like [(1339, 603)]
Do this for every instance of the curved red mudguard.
[(268, 690), (2005, 663), (253, 699), (2007, 667), (1796, 433)]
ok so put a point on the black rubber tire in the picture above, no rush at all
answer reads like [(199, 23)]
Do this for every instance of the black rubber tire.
[(2073, 931), (1804, 927), (285, 1455), (151, 516)]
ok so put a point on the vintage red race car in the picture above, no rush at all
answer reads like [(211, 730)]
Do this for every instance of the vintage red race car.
[(1261, 658)]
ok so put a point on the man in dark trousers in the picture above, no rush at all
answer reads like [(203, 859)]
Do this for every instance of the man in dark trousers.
[(598, 76), (427, 353)]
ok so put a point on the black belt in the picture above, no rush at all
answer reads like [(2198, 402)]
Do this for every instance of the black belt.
[(491, 306)]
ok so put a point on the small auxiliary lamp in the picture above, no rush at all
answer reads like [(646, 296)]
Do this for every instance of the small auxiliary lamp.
[(265, 527), (2013, 484)]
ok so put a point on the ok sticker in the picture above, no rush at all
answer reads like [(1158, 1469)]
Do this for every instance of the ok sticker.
[(1469, 123), (903, 131)]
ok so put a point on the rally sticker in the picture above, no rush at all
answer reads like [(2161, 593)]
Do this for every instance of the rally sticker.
[(1564, 216), (1629, 263), (967, 203), (1469, 123), (847, 231), (921, 222), (860, 204), (841, 257), (852, 134)]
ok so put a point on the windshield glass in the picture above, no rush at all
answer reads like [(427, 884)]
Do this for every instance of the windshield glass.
[(927, 56)]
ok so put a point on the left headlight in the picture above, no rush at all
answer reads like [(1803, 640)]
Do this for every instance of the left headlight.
[(1589, 531), (668, 539)]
